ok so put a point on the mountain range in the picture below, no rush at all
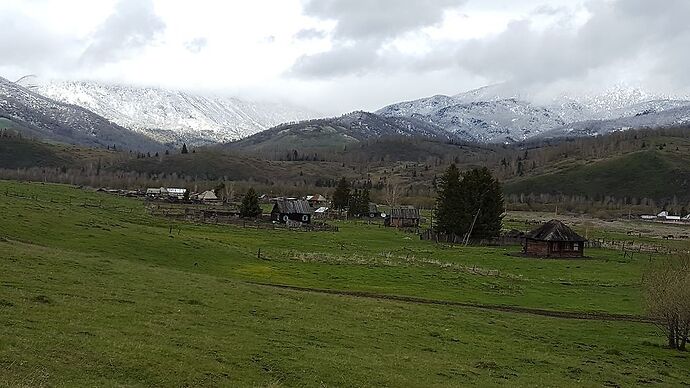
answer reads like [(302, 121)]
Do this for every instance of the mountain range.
[(171, 116), (495, 115), (41, 117), (94, 113)]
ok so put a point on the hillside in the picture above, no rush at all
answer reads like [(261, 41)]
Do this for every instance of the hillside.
[(173, 116), (42, 117), (335, 134), (108, 296), (653, 174)]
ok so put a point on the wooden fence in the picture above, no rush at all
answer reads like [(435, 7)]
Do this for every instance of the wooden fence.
[(228, 216), (449, 238)]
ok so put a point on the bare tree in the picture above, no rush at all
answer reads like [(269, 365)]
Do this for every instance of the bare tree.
[(667, 296), (391, 194)]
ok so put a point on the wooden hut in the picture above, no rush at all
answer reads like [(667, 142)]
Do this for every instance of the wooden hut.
[(285, 210), (403, 217), (554, 239)]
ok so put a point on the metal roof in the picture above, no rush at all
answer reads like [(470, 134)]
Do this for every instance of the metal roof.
[(296, 206)]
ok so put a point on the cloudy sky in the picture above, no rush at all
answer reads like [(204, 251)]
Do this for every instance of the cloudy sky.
[(339, 55)]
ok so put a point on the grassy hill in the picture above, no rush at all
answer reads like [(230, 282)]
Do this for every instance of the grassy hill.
[(644, 174), (109, 297)]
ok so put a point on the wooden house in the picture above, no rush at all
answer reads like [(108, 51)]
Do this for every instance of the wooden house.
[(285, 210), (554, 239), (403, 217)]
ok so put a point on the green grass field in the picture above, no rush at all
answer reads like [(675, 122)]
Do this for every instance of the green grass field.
[(94, 291)]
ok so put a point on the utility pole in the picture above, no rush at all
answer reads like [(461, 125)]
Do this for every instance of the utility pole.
[(467, 236)]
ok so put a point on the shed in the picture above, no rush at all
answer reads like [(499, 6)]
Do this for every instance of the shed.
[(554, 239), (291, 209), (208, 197), (175, 193), (317, 200), (403, 217)]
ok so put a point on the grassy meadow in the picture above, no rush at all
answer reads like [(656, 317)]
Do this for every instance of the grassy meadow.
[(95, 292)]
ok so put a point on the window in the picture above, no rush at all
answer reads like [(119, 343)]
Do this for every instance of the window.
[(576, 247)]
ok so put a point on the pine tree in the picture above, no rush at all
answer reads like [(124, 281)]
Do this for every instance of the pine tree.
[(481, 195), (478, 194), (449, 216), (250, 205), (184, 148), (341, 195)]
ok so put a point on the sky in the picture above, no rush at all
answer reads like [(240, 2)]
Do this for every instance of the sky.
[(335, 56)]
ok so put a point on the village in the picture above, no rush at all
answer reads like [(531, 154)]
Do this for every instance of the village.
[(552, 239)]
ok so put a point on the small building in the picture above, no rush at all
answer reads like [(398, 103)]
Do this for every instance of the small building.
[(175, 193), (156, 192), (291, 210), (403, 217), (316, 201), (554, 239), (208, 197)]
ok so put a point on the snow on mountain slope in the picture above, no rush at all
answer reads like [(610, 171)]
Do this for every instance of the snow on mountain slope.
[(501, 113), (647, 119), (174, 116), (45, 118)]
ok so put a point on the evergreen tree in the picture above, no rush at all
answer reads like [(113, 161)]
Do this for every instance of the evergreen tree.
[(184, 148), (250, 205), (355, 203), (481, 195), (449, 215), (341, 195), (478, 194)]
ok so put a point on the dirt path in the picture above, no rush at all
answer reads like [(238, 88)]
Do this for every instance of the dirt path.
[(511, 309)]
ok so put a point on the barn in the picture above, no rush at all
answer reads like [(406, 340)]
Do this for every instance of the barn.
[(554, 239), (291, 209), (403, 217)]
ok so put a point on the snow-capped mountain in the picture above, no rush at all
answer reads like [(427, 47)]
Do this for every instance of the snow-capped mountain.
[(649, 118), (173, 117), (340, 131), (39, 116), (500, 113)]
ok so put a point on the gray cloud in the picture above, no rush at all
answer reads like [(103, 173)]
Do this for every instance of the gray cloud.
[(133, 25), (363, 26), (640, 37), (196, 45), (310, 33), (366, 19), (617, 33), (340, 61)]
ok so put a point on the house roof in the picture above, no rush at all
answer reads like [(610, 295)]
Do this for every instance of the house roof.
[(316, 198), (405, 213), (555, 230), (295, 206), (208, 196)]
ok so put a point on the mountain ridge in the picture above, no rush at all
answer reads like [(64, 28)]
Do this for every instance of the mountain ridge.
[(173, 116)]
